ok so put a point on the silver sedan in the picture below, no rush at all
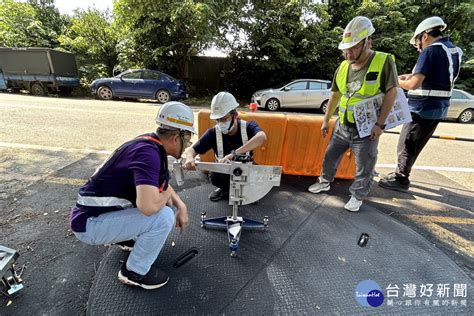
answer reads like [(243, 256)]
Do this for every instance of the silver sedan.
[(301, 93), (461, 106)]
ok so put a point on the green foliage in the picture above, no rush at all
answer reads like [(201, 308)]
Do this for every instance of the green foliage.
[(29, 24), (94, 39), (283, 40), (164, 34), (396, 21), (53, 22), (268, 42)]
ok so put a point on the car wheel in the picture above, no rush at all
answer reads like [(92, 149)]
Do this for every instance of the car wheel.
[(105, 93), (37, 90), (324, 107), (163, 96), (466, 116), (272, 104)]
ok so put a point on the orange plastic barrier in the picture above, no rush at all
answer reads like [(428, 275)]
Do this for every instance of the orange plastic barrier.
[(293, 142), (304, 148)]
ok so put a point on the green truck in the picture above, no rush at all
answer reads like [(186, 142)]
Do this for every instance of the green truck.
[(38, 70)]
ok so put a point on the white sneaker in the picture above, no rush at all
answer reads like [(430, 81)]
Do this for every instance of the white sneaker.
[(353, 205), (319, 187)]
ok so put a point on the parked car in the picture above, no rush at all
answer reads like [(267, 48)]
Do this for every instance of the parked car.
[(461, 106), (140, 84), (301, 93)]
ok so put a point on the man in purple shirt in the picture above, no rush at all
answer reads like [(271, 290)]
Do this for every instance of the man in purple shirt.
[(129, 202)]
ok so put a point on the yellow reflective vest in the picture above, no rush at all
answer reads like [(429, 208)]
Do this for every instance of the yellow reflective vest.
[(370, 87)]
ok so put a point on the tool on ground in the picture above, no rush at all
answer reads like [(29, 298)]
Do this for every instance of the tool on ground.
[(363, 240), (10, 280), (186, 257), (248, 184)]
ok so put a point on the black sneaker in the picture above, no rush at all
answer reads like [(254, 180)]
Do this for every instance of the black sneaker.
[(154, 279), (126, 245), (395, 183), (218, 194)]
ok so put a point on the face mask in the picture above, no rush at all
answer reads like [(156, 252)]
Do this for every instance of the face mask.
[(224, 127)]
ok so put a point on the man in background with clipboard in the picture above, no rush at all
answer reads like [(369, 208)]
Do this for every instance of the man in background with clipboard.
[(429, 90), (363, 74)]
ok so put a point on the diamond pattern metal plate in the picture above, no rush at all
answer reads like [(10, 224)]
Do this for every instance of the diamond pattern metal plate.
[(307, 261)]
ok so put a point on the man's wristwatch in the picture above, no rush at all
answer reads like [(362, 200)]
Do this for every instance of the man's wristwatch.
[(382, 126)]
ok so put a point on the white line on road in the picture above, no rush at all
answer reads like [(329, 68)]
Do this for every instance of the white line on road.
[(108, 152), (50, 148), (435, 168), (128, 110)]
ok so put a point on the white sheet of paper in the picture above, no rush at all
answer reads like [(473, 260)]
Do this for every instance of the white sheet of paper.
[(367, 111)]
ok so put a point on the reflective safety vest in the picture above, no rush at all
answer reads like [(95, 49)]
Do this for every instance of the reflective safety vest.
[(220, 143), (370, 87), (90, 199), (442, 93)]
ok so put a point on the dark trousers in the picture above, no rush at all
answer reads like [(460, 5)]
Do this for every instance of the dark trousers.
[(413, 138), (220, 180)]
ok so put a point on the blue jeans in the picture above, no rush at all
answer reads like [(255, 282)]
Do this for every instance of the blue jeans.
[(149, 233), (365, 150)]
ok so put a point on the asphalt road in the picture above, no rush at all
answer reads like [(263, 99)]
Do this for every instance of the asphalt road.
[(43, 139)]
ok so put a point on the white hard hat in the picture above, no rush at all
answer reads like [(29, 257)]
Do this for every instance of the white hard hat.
[(221, 104), (356, 30), (428, 25), (176, 114)]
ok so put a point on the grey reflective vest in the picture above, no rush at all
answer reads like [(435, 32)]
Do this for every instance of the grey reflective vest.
[(220, 143)]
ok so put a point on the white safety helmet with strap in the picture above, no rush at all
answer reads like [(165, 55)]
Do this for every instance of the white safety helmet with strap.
[(427, 25), (357, 29), (176, 114), (221, 104)]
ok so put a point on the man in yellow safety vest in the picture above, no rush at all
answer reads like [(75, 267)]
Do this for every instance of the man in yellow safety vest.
[(363, 74)]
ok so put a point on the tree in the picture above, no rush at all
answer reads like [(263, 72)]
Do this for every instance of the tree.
[(53, 22), (395, 22), (93, 38), (277, 41), (29, 24), (165, 33)]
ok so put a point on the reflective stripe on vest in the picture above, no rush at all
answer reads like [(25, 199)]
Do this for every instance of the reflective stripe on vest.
[(103, 201), (368, 89), (442, 93), (430, 93), (220, 143)]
